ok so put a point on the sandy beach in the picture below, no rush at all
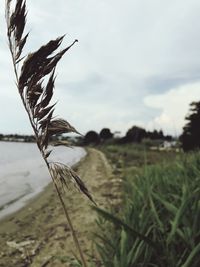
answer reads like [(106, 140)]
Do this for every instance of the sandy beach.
[(38, 236)]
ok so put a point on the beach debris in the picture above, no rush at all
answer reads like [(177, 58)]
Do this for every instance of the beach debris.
[(20, 245), (27, 248)]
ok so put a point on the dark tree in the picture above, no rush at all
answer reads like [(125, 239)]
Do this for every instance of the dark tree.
[(168, 138), (105, 134), (190, 138), (135, 134), (91, 138), (155, 135), (160, 135)]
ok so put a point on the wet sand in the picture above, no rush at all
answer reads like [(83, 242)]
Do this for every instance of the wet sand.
[(38, 235)]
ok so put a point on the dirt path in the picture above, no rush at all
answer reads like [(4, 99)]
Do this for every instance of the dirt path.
[(37, 236)]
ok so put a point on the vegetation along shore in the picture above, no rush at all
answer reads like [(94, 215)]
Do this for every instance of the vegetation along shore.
[(148, 213)]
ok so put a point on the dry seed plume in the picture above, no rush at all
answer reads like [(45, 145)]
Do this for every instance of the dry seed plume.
[(35, 75)]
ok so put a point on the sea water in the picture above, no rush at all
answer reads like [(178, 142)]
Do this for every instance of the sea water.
[(23, 173)]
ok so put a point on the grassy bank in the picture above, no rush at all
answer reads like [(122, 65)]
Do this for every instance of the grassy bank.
[(158, 224)]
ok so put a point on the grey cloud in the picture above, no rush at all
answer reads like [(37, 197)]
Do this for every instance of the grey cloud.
[(127, 50), (163, 83)]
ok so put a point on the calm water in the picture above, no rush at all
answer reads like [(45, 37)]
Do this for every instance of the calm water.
[(23, 173)]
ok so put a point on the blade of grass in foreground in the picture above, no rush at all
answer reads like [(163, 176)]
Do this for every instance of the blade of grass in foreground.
[(118, 222)]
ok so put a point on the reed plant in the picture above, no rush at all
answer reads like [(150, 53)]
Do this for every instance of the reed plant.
[(159, 222), (35, 80)]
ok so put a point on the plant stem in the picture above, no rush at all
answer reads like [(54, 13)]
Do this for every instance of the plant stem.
[(75, 238), (69, 221), (70, 224)]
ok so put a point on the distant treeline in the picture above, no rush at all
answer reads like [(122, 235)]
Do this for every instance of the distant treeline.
[(133, 135), (29, 138), (189, 139), (17, 137)]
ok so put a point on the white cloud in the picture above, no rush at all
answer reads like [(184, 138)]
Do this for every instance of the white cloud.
[(173, 107)]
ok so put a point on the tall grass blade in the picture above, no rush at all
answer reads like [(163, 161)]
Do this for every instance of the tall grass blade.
[(169, 206), (175, 223), (118, 222), (195, 252), (156, 215)]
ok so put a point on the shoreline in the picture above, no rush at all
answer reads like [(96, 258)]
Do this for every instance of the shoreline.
[(38, 198), (27, 224), (28, 204), (24, 179), (38, 235)]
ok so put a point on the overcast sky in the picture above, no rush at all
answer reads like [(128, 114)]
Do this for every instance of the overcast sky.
[(137, 62)]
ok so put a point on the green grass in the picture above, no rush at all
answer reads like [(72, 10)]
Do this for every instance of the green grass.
[(135, 155), (159, 224)]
